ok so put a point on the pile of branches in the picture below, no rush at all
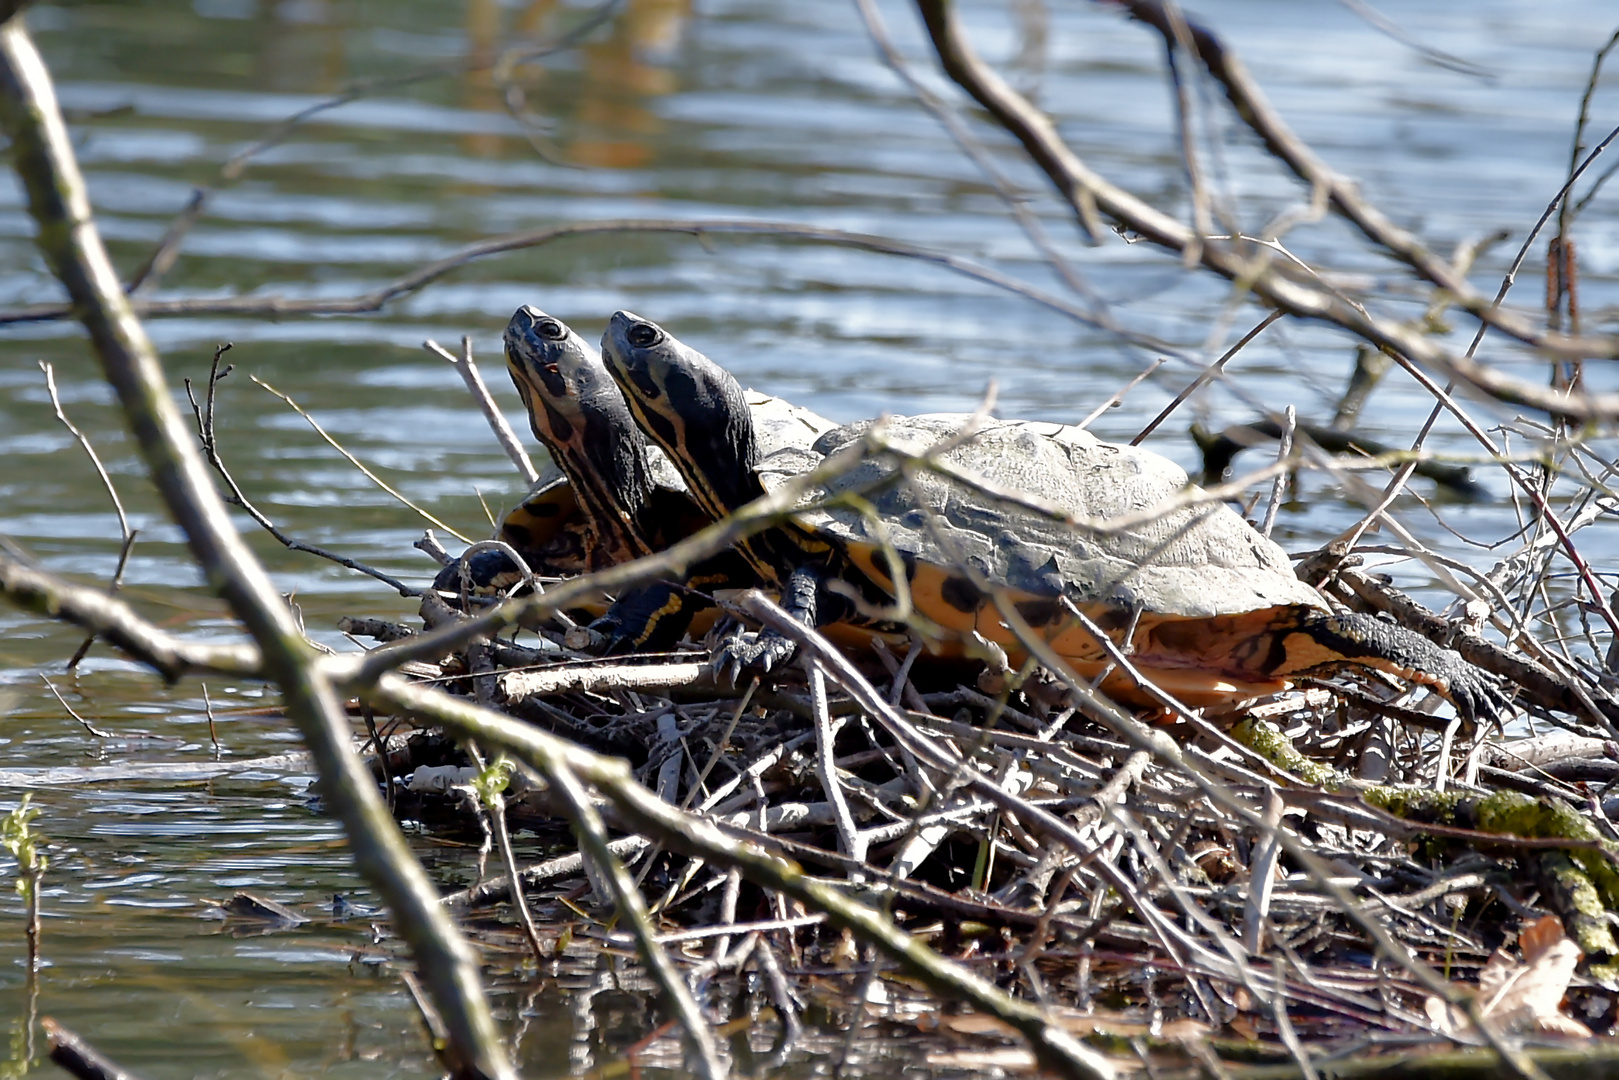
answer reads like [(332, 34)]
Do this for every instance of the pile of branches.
[(1316, 883), (1309, 877)]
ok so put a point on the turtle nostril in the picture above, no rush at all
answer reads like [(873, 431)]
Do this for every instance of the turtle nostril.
[(641, 335)]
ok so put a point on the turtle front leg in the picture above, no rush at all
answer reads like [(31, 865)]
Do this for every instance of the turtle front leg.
[(1320, 641), (804, 597), (652, 619)]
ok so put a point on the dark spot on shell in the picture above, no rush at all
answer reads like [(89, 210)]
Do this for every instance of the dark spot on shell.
[(1044, 579), (1113, 617), (518, 536), (960, 594), (1039, 612)]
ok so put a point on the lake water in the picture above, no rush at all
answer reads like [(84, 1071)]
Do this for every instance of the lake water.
[(736, 110)]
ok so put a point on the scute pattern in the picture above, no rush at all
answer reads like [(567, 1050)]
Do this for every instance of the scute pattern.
[(1190, 562)]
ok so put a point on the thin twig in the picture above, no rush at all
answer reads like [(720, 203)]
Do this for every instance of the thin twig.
[(356, 462), (504, 434)]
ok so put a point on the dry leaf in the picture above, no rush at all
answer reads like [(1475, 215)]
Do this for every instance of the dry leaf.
[(1522, 995)]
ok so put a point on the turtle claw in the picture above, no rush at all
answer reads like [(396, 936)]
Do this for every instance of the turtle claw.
[(757, 653), (1479, 696)]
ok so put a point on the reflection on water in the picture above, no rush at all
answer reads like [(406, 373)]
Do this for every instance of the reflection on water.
[(741, 108)]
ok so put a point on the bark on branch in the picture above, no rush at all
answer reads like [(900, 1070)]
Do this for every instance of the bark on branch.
[(68, 239)]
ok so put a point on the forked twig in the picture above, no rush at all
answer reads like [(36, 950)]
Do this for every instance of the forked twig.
[(204, 416)]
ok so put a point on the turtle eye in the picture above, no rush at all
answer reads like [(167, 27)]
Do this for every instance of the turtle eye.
[(644, 335), (550, 329)]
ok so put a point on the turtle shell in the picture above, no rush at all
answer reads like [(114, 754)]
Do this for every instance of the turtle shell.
[(1195, 581)]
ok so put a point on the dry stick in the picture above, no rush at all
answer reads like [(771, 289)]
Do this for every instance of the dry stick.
[(592, 834), (1262, 878), (42, 154), (356, 462), (1088, 193), (1566, 215), (850, 842), (1118, 395), (1202, 221), (87, 725), (499, 891), (1167, 751), (491, 412), (204, 415), (1284, 1024), (78, 1057), (426, 274), (1206, 375), (1446, 740), (792, 1027), (163, 256), (112, 493), (496, 802), (553, 680), (112, 586), (728, 901), (699, 838), (1439, 57), (719, 747), (213, 737), (1015, 200), (1255, 110), (115, 622), (1284, 450)]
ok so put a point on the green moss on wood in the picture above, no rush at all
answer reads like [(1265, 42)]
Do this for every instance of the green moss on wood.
[(1581, 885)]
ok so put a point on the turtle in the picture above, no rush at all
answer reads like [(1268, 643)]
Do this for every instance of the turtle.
[(1211, 607), (606, 497)]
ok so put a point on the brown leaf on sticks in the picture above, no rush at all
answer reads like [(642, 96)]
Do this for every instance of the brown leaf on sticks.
[(1521, 996)]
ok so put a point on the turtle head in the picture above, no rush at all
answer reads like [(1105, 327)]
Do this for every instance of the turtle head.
[(577, 411), (562, 379), (688, 405)]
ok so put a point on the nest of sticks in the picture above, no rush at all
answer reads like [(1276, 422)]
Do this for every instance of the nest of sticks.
[(1334, 878), (1281, 882)]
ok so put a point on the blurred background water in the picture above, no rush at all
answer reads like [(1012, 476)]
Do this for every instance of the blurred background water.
[(757, 109)]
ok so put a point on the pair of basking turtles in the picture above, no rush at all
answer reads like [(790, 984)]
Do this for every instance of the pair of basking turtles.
[(1211, 608)]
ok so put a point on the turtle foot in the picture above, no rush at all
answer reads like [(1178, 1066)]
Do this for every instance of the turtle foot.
[(1479, 696), (757, 653)]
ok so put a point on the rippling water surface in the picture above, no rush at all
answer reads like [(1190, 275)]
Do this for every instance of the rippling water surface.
[(763, 110)]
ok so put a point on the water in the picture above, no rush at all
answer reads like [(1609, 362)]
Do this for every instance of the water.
[(763, 110)]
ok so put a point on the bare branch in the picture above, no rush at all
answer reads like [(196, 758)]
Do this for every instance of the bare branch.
[(43, 157)]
